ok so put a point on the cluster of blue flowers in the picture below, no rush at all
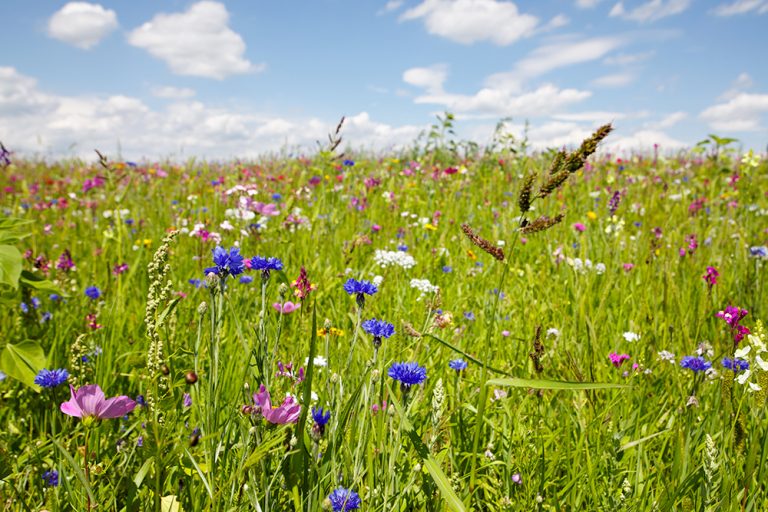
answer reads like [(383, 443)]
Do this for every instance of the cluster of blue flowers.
[(51, 378), (695, 363), (736, 365)]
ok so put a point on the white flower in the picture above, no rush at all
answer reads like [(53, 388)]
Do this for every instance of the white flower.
[(394, 258), (666, 355), (377, 280), (424, 286), (226, 226), (600, 268), (553, 332), (631, 336), (318, 361)]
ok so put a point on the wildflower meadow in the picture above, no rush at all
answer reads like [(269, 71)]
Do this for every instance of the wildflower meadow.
[(442, 327)]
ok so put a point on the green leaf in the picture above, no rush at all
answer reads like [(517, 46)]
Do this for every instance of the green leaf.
[(36, 282), (10, 265), (23, 361), (170, 504), (515, 382), (77, 470), (442, 482)]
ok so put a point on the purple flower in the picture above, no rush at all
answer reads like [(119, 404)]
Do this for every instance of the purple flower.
[(378, 329), (360, 289), (288, 412), (265, 265), (51, 378), (92, 292), (408, 374), (321, 418), (711, 276), (51, 478), (344, 499), (613, 203), (759, 251), (517, 479), (695, 363), (227, 263), (246, 279), (736, 365), (187, 400), (732, 316), (458, 364), (89, 402), (618, 359)]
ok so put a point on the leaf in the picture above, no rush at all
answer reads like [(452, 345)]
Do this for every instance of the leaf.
[(464, 354), (139, 478), (10, 265), (170, 504), (77, 470), (515, 382), (23, 361), (442, 482), (31, 280)]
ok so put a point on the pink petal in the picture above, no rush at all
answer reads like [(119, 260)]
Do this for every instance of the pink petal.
[(262, 399), (71, 407), (278, 307), (116, 407), (89, 398)]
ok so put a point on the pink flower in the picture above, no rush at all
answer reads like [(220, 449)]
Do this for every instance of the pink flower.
[(89, 402), (288, 307), (628, 267), (579, 227), (617, 359), (288, 412)]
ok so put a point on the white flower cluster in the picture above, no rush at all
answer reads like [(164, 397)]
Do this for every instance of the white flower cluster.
[(756, 352), (394, 258), (582, 267), (631, 336), (424, 286)]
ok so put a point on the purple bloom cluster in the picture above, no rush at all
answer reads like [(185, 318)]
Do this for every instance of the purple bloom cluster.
[(321, 417), (695, 363), (227, 263), (51, 478), (408, 374), (51, 378), (344, 499), (733, 316)]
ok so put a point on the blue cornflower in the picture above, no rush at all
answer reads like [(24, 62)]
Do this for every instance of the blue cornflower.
[(458, 364), (51, 378), (141, 401), (469, 316), (246, 279), (266, 265), (51, 478), (2, 376), (344, 499), (360, 289), (46, 317), (92, 292), (321, 417), (408, 374), (447, 269), (695, 363), (227, 263), (759, 251), (54, 297), (197, 283), (378, 329), (737, 365), (35, 302), (24, 307), (402, 248), (349, 163), (277, 196)]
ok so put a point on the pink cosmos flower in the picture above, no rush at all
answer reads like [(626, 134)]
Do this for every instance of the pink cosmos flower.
[(89, 402), (287, 308), (288, 412)]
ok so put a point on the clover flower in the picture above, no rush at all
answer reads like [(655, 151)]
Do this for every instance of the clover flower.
[(51, 378), (344, 499), (227, 263)]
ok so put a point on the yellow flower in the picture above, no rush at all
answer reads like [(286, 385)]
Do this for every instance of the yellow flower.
[(471, 255), (430, 227), (147, 242), (591, 215)]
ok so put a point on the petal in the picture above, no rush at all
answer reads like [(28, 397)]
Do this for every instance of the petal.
[(89, 398), (761, 363), (743, 377), (116, 407), (754, 387), (742, 352)]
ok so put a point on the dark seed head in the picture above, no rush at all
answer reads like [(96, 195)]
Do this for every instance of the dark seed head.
[(190, 377)]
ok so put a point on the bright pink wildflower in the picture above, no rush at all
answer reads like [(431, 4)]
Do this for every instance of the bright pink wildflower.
[(287, 308), (711, 276), (628, 267), (89, 402), (733, 316), (617, 359), (578, 226), (288, 412)]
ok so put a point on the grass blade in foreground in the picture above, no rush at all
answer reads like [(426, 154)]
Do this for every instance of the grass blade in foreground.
[(515, 382)]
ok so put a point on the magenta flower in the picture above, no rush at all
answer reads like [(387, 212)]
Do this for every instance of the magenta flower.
[(628, 267), (733, 316), (288, 412), (711, 276), (617, 359), (89, 402), (578, 226), (287, 308)]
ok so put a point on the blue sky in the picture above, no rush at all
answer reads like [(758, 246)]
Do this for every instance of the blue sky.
[(239, 78)]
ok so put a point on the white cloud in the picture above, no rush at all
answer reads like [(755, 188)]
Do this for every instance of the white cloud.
[(172, 93), (565, 53), (742, 113), (82, 24), (626, 59), (594, 117), (669, 120), (33, 121), (470, 21), (742, 83), (642, 140), (614, 80), (587, 4), (392, 5), (652, 10), (741, 7), (431, 79), (197, 42), (499, 102)]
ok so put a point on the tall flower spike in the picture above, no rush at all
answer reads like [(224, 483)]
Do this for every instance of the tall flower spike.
[(482, 243)]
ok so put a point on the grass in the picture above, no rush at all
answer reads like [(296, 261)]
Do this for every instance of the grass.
[(562, 429)]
